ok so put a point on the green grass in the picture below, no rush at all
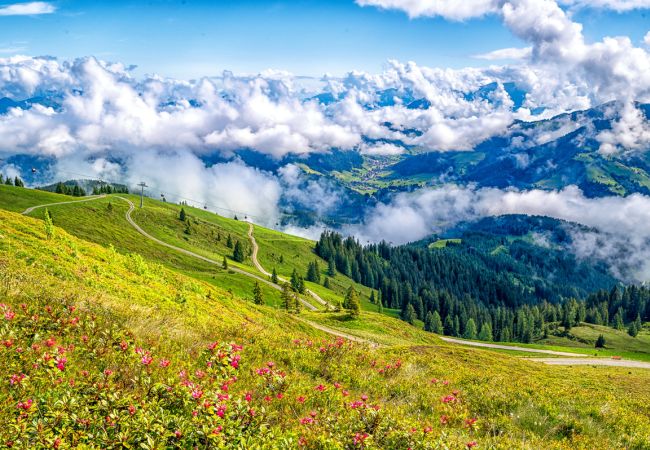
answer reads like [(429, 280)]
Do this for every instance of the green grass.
[(518, 404), (19, 199), (442, 243)]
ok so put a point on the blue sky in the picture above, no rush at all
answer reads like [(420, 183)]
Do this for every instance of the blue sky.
[(186, 38)]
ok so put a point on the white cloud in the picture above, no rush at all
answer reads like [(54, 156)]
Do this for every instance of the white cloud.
[(27, 9), (623, 221), (381, 148), (506, 53), (646, 39), (616, 5), (449, 9), (630, 132)]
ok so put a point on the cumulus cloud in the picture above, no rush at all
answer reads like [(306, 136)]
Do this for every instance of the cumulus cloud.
[(622, 221), (381, 149), (629, 133), (646, 38), (615, 5), (27, 9), (506, 53), (449, 9)]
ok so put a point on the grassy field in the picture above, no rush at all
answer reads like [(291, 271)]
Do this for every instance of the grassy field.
[(172, 317), (19, 199), (125, 327)]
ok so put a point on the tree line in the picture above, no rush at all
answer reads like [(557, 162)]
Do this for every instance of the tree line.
[(465, 294), (16, 181)]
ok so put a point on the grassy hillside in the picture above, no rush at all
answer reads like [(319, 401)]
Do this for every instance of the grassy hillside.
[(102, 349), (91, 300), (19, 199)]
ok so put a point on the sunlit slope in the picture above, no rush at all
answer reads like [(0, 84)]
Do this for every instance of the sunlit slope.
[(172, 317)]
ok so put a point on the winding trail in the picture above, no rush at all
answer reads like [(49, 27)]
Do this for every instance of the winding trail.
[(87, 199), (510, 347), (201, 257), (261, 268), (593, 362)]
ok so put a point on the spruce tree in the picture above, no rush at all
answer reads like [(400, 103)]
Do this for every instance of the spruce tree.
[(600, 342), (408, 314), (428, 322), (297, 283), (49, 226), (238, 252), (18, 182), (296, 303), (486, 332), (632, 330), (372, 297), (182, 216), (258, 299), (470, 329), (229, 242), (1, 179), (331, 268), (354, 307), (436, 323), (326, 283), (8, 182), (224, 264), (109, 207), (380, 306), (315, 273), (274, 276), (287, 297), (448, 326), (618, 320)]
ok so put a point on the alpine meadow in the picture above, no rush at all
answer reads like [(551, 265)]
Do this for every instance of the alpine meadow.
[(353, 224)]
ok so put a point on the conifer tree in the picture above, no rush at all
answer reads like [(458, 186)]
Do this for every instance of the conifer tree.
[(428, 322), (313, 272), (331, 268), (380, 306), (229, 242), (408, 314), (238, 252), (352, 299), (49, 226), (632, 330), (182, 216), (8, 181), (109, 207), (18, 182), (326, 283), (258, 299), (296, 303), (618, 320), (287, 297), (470, 329), (1, 179), (486, 332), (274, 276), (372, 297), (600, 342), (224, 264), (436, 323)]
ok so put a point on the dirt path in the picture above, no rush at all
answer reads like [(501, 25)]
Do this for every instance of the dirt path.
[(201, 257), (593, 362), (510, 347), (87, 199), (259, 267), (256, 263), (334, 332)]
